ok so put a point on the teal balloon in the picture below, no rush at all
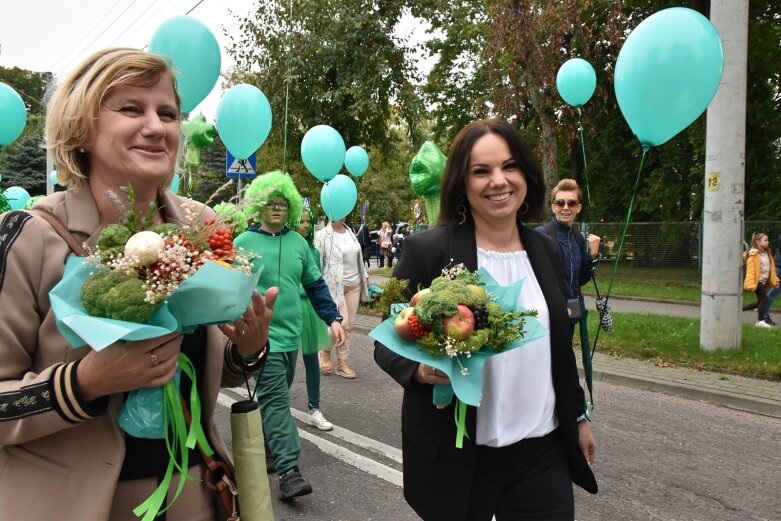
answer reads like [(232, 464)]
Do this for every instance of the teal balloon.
[(667, 73), (338, 197), (243, 119), (174, 188), (195, 53), (16, 196), (576, 81), (356, 161), (53, 178), (323, 152), (13, 114)]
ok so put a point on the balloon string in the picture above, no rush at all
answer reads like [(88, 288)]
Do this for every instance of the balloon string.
[(626, 225), (585, 164), (287, 87)]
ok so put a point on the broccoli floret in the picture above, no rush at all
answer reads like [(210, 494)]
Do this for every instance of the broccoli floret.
[(459, 290), (167, 229), (434, 305), (112, 240), (117, 295)]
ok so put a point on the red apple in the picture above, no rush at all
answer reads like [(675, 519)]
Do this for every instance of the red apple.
[(401, 324), (460, 325), (417, 296)]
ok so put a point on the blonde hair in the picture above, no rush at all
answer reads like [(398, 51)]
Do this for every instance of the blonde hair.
[(566, 185), (756, 236), (74, 107)]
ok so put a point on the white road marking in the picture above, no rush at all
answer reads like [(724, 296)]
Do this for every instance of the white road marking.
[(359, 461)]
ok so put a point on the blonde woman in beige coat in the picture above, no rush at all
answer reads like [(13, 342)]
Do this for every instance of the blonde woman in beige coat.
[(114, 122)]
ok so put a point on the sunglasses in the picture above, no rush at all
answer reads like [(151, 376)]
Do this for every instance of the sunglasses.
[(561, 203), (276, 205)]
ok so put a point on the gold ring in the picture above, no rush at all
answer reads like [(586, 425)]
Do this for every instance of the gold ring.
[(155, 361)]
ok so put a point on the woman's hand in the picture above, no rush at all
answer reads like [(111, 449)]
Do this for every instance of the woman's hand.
[(338, 332), (128, 366), (586, 441), (426, 374), (250, 331)]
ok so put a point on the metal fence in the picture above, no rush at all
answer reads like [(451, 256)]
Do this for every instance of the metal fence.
[(665, 244)]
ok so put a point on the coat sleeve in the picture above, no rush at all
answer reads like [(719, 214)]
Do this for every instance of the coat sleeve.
[(752, 271), (38, 390), (413, 266)]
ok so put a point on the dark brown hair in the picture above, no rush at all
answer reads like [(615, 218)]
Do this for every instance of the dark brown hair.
[(453, 193)]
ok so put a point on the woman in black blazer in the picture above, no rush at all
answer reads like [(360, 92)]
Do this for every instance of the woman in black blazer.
[(529, 440)]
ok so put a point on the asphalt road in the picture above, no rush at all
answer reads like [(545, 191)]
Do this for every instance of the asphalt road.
[(660, 457)]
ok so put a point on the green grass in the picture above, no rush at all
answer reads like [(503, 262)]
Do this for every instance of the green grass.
[(654, 283), (676, 341), (383, 272)]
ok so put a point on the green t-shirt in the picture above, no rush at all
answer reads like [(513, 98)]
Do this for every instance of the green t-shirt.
[(287, 263)]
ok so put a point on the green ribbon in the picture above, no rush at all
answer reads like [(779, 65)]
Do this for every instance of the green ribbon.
[(179, 441), (460, 416)]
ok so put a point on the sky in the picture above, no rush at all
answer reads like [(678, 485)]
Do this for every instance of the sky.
[(55, 35)]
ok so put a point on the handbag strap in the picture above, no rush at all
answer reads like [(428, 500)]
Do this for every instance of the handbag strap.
[(217, 476), (62, 231)]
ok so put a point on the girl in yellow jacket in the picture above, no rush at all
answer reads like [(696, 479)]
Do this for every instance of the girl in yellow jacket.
[(760, 274)]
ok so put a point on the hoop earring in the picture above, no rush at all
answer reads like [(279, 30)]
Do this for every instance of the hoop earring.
[(461, 211), (524, 209)]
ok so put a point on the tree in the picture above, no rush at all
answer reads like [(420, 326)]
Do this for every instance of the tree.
[(30, 85), (334, 63), (24, 164)]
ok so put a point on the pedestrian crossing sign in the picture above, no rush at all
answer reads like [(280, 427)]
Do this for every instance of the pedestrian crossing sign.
[(240, 168)]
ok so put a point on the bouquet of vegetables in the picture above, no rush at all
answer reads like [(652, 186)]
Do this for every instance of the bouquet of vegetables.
[(454, 325), (457, 316), (144, 281)]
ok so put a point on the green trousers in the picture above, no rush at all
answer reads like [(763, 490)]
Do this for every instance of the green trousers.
[(279, 426)]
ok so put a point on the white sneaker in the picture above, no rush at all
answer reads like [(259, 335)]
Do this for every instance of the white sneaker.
[(317, 419), (760, 323)]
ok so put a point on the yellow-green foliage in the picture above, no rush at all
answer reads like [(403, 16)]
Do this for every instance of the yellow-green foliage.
[(393, 293)]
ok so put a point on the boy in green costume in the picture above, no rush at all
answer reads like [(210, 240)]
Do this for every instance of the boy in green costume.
[(273, 201)]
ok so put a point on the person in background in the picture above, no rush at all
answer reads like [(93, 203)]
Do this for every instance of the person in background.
[(112, 123), (348, 283), (273, 201), (314, 333), (773, 293), (578, 254), (760, 275), (364, 239), (386, 241), (529, 438)]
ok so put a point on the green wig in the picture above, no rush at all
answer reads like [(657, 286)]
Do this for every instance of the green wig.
[(268, 186)]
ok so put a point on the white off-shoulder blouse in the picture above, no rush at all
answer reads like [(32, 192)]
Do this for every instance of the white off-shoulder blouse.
[(518, 398)]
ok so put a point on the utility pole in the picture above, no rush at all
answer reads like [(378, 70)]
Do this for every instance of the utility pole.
[(723, 210)]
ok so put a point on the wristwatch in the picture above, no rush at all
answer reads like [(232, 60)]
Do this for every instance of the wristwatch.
[(339, 318)]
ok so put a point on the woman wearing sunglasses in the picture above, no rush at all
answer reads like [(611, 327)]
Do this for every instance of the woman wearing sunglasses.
[(579, 255)]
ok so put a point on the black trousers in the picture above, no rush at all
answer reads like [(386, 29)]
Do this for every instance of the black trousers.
[(526, 481), (761, 304)]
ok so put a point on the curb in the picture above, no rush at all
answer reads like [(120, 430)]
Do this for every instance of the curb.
[(751, 404)]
